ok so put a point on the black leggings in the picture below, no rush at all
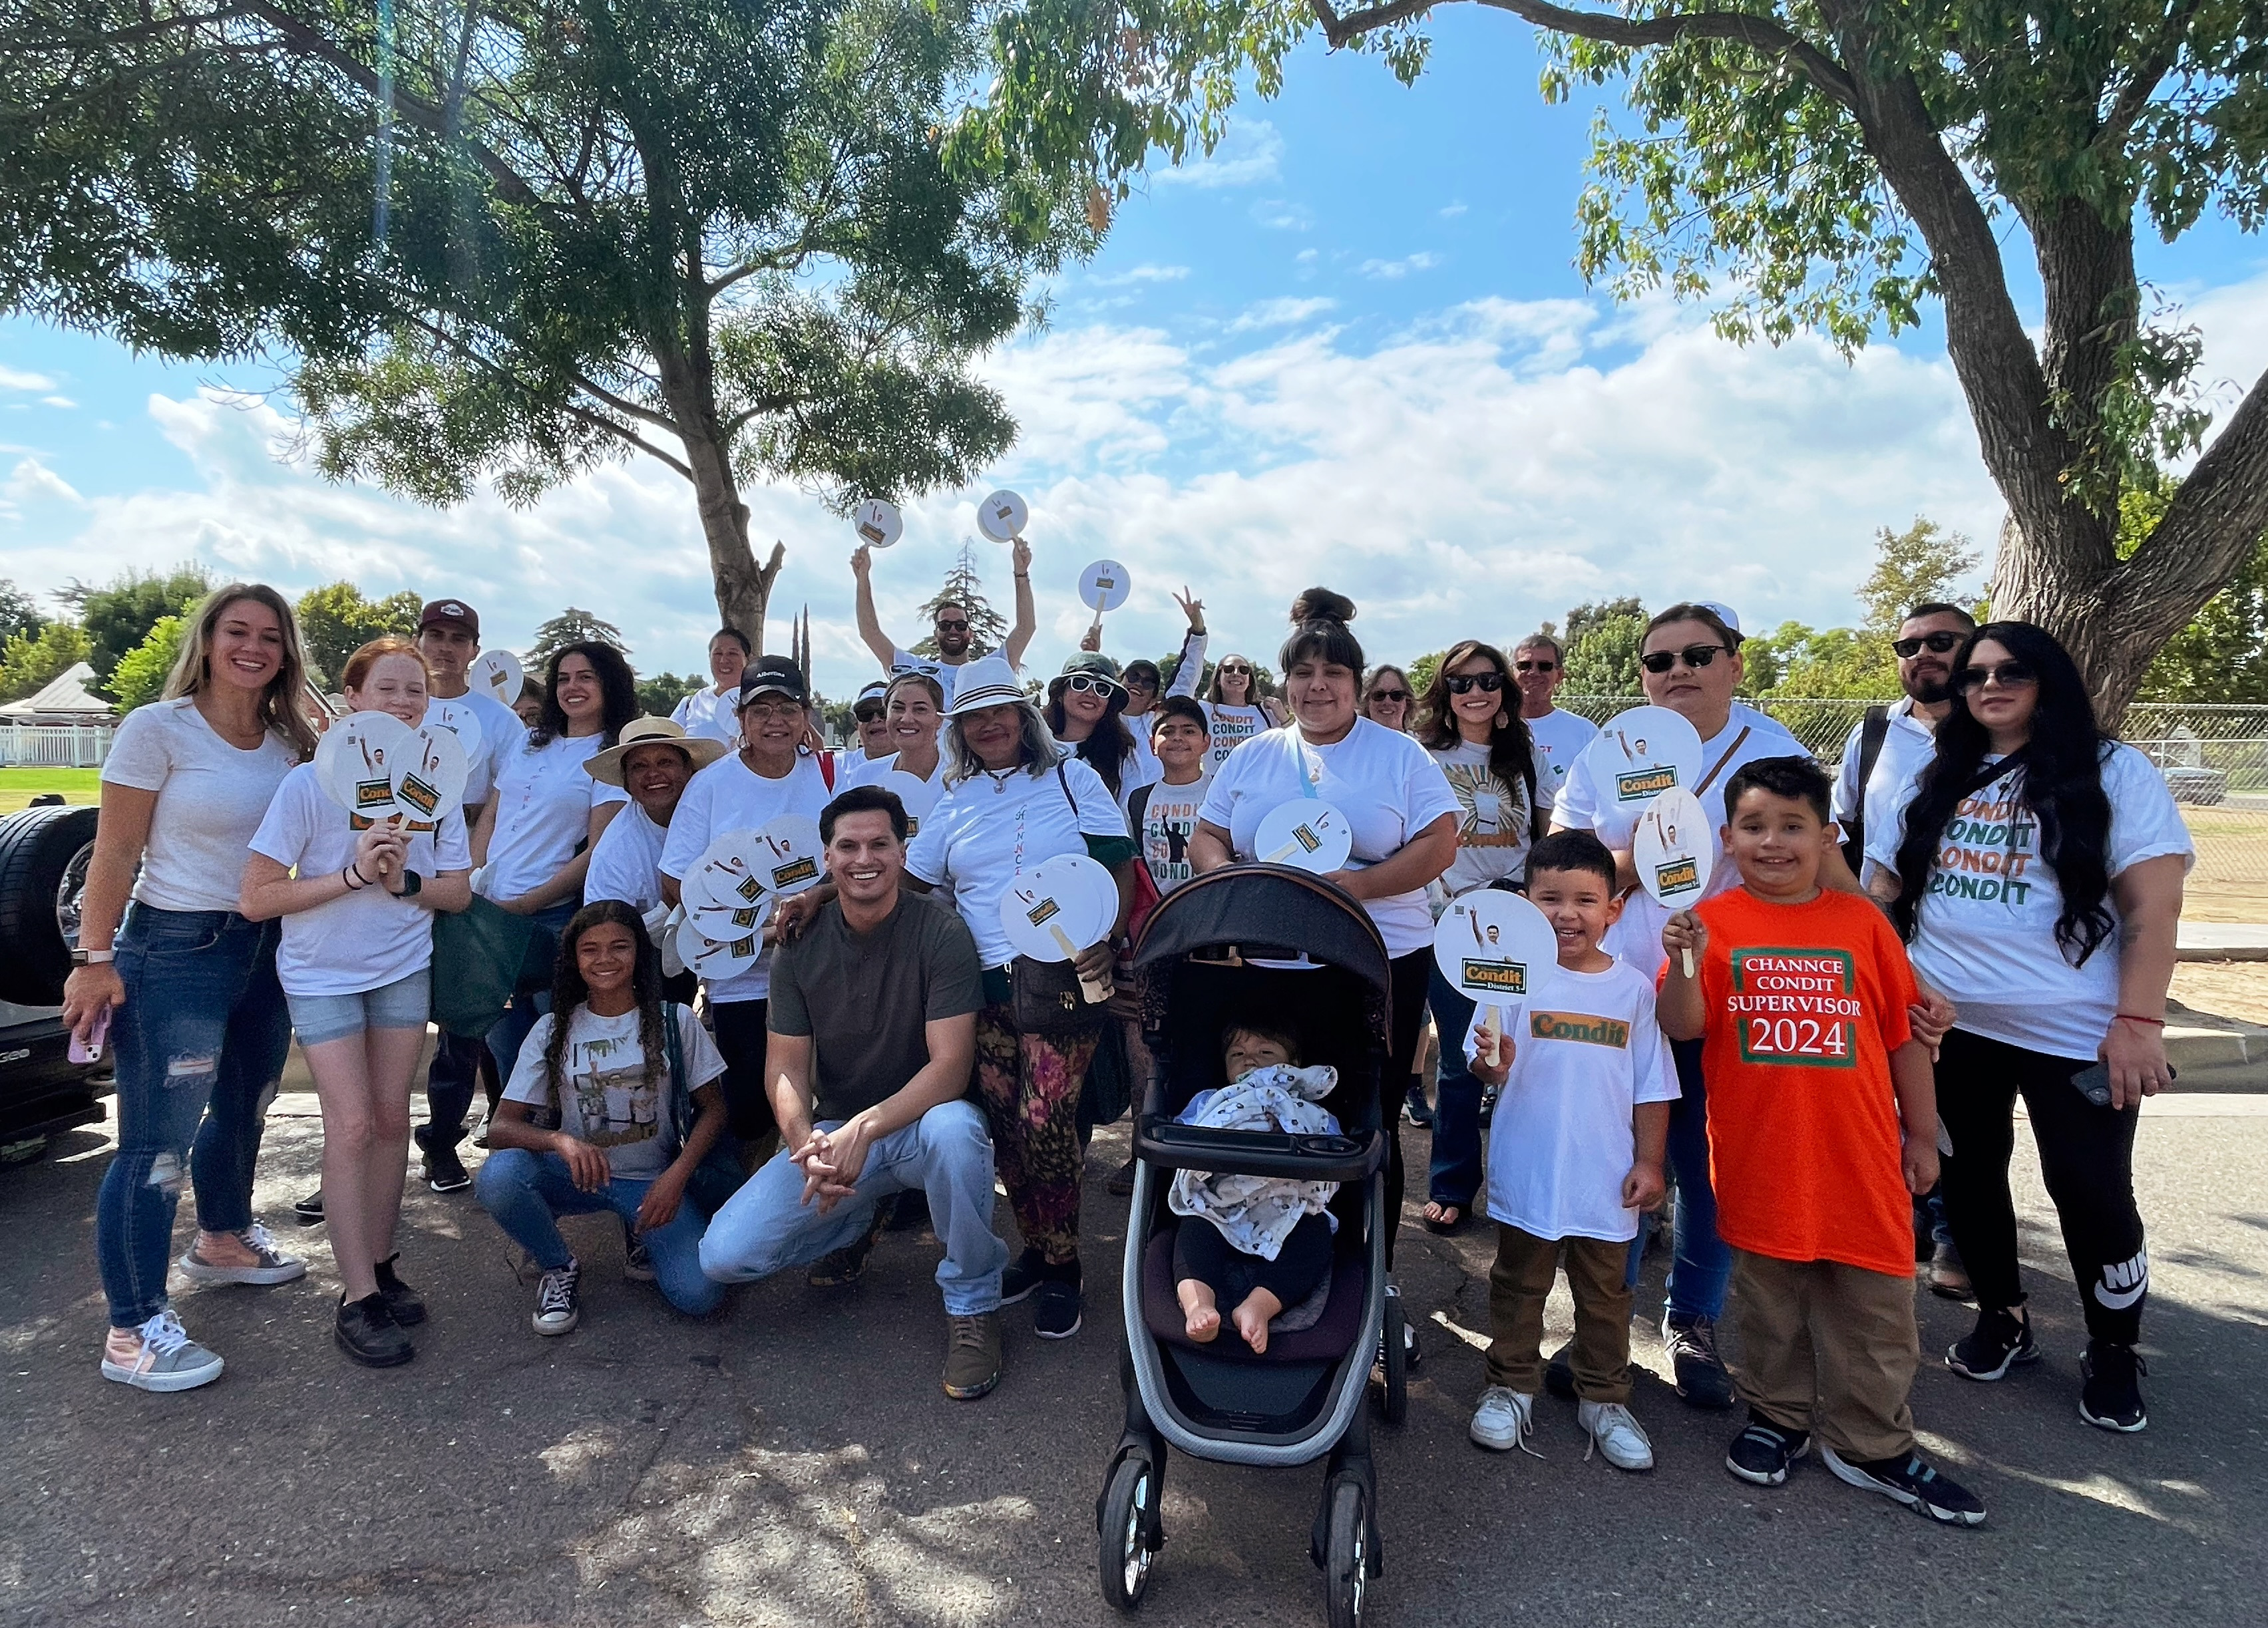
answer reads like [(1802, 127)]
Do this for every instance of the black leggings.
[(1201, 1251), (2087, 1157), (739, 1028), (1407, 976)]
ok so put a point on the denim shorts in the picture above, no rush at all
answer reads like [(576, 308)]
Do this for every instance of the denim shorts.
[(402, 1004)]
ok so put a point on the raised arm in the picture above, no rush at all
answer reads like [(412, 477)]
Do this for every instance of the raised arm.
[(1193, 647), (1027, 616), (870, 626)]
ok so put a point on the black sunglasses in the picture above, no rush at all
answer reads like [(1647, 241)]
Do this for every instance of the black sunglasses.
[(1466, 683), (1086, 683), (946, 625), (1693, 654), (1247, 671), (1389, 695), (2007, 675), (1536, 666), (1936, 644)]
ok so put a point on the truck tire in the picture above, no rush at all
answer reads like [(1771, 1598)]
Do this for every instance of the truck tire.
[(43, 859)]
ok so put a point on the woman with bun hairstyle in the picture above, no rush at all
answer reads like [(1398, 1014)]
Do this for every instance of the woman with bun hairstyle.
[(1469, 722), (2036, 869), (197, 1025), (1397, 800), (357, 900)]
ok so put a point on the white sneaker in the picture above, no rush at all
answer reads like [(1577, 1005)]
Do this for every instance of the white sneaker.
[(1504, 1421), (168, 1358), (270, 1264), (1615, 1434), (558, 1308)]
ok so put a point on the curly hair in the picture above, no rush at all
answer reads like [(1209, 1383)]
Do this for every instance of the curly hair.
[(569, 991), (617, 693)]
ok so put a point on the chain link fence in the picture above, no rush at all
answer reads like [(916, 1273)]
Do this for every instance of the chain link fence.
[(2214, 757)]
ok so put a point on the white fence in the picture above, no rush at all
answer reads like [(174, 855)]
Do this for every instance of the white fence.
[(53, 746)]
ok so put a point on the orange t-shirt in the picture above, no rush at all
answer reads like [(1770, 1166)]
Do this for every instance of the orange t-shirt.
[(1805, 1004)]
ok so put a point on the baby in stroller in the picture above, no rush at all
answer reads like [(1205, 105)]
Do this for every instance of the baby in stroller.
[(1258, 1244)]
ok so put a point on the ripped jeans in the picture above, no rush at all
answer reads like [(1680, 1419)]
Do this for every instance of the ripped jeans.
[(199, 1047)]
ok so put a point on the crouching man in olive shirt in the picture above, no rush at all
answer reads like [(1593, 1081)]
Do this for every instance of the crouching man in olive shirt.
[(872, 1040)]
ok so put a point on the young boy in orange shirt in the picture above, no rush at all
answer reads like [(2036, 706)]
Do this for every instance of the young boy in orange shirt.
[(1822, 1121)]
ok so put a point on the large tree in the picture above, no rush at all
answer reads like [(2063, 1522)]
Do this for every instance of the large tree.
[(1835, 165), (511, 242)]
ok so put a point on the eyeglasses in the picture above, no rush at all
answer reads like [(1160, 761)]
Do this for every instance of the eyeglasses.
[(1535, 666), (1087, 683), (1389, 695), (2007, 675), (952, 624), (772, 707), (1936, 644), (1692, 654), (1466, 683)]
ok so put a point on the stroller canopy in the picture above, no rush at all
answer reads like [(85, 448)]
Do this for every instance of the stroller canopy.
[(1272, 912)]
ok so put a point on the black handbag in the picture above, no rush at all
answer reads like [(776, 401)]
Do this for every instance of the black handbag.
[(1046, 999)]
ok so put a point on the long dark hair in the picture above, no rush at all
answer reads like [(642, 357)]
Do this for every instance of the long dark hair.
[(618, 692), (1108, 746), (569, 991), (1512, 753), (2058, 778)]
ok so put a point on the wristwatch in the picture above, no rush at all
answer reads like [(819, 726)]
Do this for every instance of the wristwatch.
[(411, 882)]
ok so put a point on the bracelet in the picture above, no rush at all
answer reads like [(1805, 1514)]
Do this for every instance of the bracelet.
[(2129, 1017), (354, 879)]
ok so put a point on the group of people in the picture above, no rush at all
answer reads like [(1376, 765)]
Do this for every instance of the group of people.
[(1982, 905)]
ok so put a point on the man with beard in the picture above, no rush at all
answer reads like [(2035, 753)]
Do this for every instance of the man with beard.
[(1891, 743), (951, 627)]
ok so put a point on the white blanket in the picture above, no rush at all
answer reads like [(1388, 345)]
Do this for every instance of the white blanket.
[(1256, 1213)]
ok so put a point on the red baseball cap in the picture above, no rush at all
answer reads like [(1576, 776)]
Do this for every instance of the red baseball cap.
[(450, 610)]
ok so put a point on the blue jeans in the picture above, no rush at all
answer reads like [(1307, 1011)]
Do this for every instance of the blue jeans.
[(526, 1192), (947, 1153), (1702, 1263), (529, 1001), (1455, 1174), (199, 1048)]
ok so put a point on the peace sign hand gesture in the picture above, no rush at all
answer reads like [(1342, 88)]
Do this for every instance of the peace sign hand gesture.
[(1194, 609)]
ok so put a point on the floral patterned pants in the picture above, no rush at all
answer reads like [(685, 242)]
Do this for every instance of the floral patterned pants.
[(1031, 1085)]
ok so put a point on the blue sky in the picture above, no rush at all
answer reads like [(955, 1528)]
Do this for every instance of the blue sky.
[(1350, 347)]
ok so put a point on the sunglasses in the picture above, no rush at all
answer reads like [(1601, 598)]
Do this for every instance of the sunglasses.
[(1692, 654), (1146, 685), (1389, 695), (1247, 671), (1087, 683), (1936, 644), (2007, 675), (1466, 683), (945, 625), (1535, 666), (870, 715)]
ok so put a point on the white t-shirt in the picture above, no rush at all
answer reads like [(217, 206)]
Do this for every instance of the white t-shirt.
[(1559, 739), (1908, 745), (624, 865), (1383, 781), (543, 810), (1585, 1052), (1985, 935), (605, 1100), (855, 771), (711, 717), (1169, 819), (1231, 727), (486, 727), (211, 797), (729, 796), (854, 767), (366, 939), (986, 831), (1584, 805), (1493, 823)]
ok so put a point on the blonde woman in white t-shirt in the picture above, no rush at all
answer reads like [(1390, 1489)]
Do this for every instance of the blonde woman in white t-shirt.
[(355, 965), (188, 988)]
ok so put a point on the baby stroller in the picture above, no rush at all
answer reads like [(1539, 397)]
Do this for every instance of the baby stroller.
[(1195, 970)]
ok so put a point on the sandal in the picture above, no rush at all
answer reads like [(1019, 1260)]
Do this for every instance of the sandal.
[(1445, 1219)]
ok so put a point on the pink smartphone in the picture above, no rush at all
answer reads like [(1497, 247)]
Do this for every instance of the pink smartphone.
[(90, 1051)]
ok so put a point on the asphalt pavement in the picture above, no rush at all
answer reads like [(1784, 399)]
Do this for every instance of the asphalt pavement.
[(792, 1461)]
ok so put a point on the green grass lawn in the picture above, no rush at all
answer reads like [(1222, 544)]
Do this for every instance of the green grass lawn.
[(18, 786)]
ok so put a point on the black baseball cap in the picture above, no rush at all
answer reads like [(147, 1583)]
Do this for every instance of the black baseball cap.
[(773, 675), (450, 610)]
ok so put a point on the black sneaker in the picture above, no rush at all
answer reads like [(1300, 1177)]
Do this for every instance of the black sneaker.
[(2110, 1387), (1560, 1374), (839, 1269), (2000, 1340), (1416, 1109), (1699, 1371), (405, 1303), (309, 1210), (1022, 1276), (1763, 1452), (1057, 1314), (1910, 1482), (366, 1332), (444, 1172)]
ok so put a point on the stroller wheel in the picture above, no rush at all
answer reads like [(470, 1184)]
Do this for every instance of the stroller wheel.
[(1395, 1399), (1346, 1565), (1127, 1503)]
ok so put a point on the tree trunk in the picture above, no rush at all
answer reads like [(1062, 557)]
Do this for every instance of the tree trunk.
[(743, 587)]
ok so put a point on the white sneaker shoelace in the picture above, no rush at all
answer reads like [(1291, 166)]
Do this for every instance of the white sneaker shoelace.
[(163, 1334), (1614, 1418), (557, 1291), (262, 1242)]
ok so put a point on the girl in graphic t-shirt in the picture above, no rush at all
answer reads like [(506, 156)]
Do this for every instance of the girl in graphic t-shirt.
[(2038, 876), (355, 965), (1236, 709), (1469, 722)]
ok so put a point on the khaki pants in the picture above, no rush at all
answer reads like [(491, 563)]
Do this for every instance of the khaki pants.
[(1828, 1348), (1519, 1284)]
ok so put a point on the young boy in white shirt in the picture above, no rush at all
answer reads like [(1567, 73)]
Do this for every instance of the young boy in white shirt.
[(1575, 1156)]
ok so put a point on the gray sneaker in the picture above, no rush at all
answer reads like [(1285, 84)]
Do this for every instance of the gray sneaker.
[(169, 1359), (972, 1355), (273, 1266), (558, 1307)]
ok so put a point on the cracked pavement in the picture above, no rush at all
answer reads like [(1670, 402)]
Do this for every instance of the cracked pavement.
[(793, 1461)]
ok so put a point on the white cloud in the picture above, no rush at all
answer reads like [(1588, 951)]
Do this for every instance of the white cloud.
[(15, 379), (1250, 153), (1140, 274), (64, 402), (1281, 215), (33, 480), (1278, 313), (1450, 211), (1394, 270)]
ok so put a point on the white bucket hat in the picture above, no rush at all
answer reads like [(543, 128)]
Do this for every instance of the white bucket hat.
[(988, 681)]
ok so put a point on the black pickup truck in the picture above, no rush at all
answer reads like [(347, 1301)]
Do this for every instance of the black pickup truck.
[(44, 851)]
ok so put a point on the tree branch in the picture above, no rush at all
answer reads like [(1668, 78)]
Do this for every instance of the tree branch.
[(2149, 73), (1759, 33)]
